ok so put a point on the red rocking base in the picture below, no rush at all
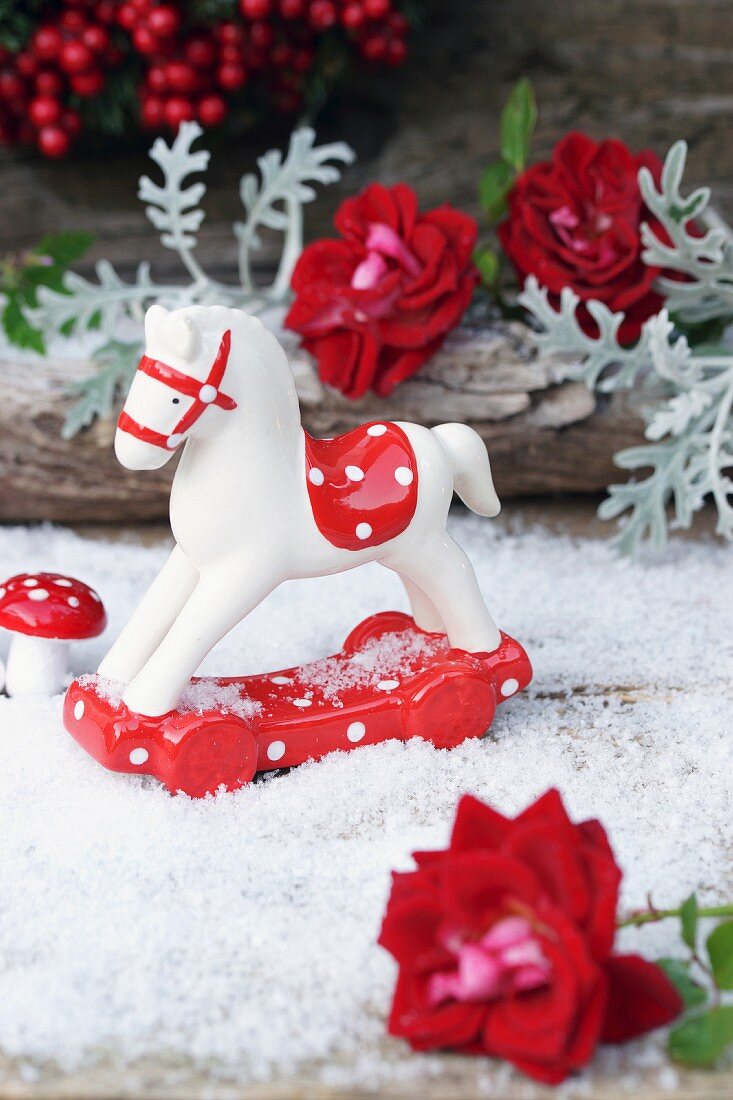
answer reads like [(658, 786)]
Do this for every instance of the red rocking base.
[(390, 681)]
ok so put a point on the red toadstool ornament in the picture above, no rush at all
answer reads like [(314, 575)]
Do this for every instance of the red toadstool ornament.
[(44, 612)]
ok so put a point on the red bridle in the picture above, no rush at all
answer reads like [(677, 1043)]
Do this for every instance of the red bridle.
[(204, 394)]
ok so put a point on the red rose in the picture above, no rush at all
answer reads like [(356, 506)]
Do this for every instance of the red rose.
[(575, 221), (504, 944), (374, 305)]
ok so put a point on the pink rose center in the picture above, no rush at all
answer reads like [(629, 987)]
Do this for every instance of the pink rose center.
[(383, 243), (582, 234), (508, 959)]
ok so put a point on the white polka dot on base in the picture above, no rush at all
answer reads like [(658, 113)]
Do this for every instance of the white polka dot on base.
[(62, 582), (302, 702), (354, 473), (280, 680), (276, 750), (139, 756), (73, 601), (79, 709), (30, 583), (509, 686), (356, 731), (363, 530), (207, 394), (38, 594), (173, 441), (403, 475), (376, 429), (315, 476), (388, 685)]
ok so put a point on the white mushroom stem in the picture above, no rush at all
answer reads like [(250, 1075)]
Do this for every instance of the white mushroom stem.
[(36, 666)]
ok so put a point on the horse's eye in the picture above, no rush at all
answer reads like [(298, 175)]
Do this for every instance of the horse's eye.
[(176, 400)]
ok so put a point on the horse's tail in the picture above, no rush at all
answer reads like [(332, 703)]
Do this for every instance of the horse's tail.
[(469, 460)]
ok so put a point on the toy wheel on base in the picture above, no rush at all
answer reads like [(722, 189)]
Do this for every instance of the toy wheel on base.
[(385, 622), (453, 707), (221, 753)]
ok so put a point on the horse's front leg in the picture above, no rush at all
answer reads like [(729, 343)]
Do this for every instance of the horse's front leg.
[(223, 596), (151, 619)]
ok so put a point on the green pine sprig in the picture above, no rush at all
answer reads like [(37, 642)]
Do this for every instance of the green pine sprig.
[(702, 977)]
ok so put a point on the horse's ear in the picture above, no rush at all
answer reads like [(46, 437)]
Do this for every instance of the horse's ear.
[(181, 334), (153, 318)]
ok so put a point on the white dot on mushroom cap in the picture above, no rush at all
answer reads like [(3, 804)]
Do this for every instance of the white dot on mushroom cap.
[(363, 530), (63, 583), (315, 476), (388, 685), (509, 686), (31, 582), (354, 473), (403, 475), (73, 601), (79, 709), (281, 680), (302, 702), (38, 594), (139, 756), (276, 750), (356, 731), (207, 394), (376, 429), (2, 592)]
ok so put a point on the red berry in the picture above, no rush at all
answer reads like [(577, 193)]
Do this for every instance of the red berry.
[(178, 110), (303, 59), (12, 88), (200, 51), (71, 122), (153, 112), (87, 84), (76, 57), (261, 35), (376, 9), (292, 9), (231, 76), (105, 11), (230, 53), (26, 64), (374, 47), (212, 110), (229, 34), (96, 38), (53, 141), (322, 14), (255, 9), (353, 16), (396, 52), (281, 56), (181, 76), (157, 79), (46, 43), (128, 16), (49, 82), (44, 110), (144, 41), (164, 21), (72, 20), (398, 24)]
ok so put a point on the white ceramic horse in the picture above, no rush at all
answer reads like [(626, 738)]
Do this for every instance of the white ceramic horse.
[(244, 502)]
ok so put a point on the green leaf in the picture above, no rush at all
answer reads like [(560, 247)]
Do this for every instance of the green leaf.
[(489, 265), (18, 329), (700, 1040), (494, 187), (720, 950), (65, 247), (678, 972), (517, 124), (688, 920)]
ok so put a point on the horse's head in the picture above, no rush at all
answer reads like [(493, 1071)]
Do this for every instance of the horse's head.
[(176, 389)]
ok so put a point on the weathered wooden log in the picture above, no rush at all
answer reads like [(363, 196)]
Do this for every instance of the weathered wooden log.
[(544, 436)]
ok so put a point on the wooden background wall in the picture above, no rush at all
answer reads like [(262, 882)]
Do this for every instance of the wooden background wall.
[(648, 71)]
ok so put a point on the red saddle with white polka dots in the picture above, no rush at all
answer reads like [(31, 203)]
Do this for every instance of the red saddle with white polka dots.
[(362, 485)]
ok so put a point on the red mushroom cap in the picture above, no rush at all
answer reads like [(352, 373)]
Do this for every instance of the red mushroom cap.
[(49, 605)]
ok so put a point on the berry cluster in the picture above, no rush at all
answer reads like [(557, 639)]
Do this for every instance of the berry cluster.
[(181, 71)]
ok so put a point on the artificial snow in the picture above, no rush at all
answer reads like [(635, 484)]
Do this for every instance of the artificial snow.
[(239, 932)]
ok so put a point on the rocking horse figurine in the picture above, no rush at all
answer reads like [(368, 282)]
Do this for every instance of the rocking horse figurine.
[(256, 501)]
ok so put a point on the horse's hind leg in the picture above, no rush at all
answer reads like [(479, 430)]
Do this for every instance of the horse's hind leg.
[(444, 574), (423, 611)]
